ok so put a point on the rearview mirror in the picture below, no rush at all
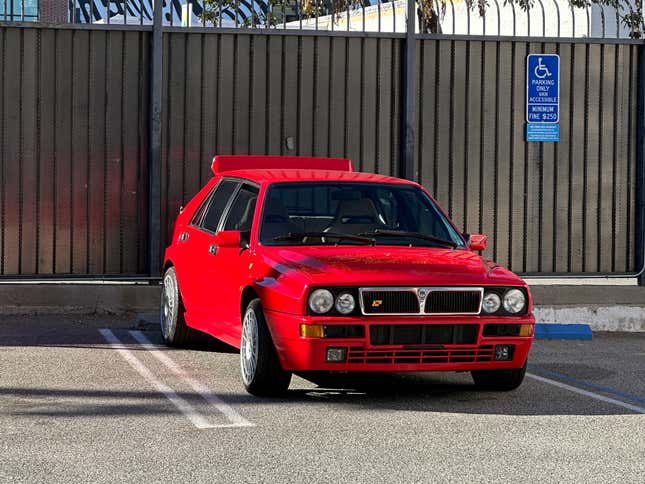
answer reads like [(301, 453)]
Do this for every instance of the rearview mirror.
[(477, 242), (228, 238)]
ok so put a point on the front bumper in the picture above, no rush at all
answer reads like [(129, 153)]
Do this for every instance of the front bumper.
[(309, 354)]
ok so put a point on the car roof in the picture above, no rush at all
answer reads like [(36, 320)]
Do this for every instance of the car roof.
[(268, 176)]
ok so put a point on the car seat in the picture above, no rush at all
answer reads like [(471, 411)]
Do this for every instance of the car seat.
[(355, 216), (276, 220)]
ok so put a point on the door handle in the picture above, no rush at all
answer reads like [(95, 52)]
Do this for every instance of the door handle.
[(212, 249), (183, 237)]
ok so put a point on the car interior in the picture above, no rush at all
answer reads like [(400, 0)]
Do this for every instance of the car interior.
[(351, 209)]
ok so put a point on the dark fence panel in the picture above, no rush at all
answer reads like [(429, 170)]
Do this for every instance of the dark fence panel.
[(74, 113), (275, 94), (73, 151), (564, 207)]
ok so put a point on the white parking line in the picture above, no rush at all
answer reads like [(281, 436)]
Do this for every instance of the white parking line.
[(235, 418), (587, 393), (182, 405)]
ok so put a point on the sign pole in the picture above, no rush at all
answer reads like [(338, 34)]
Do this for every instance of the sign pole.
[(640, 168), (407, 169), (154, 154)]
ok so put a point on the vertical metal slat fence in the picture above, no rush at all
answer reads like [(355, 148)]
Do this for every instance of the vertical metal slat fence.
[(106, 131)]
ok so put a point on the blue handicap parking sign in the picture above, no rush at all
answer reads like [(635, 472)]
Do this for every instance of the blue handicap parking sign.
[(543, 88)]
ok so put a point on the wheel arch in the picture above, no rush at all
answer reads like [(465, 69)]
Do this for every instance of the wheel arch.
[(248, 295)]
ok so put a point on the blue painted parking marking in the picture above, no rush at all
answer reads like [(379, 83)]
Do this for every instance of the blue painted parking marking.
[(563, 331)]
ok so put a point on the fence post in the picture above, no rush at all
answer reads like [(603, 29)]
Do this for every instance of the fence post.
[(408, 82), (640, 165), (154, 156)]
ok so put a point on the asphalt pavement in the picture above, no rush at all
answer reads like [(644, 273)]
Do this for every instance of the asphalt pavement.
[(98, 399)]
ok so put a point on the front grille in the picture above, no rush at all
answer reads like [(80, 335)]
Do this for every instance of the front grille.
[(361, 355), (446, 302), (419, 334), (390, 302)]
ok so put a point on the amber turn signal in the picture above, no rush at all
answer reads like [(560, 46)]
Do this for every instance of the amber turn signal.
[(526, 330), (312, 331)]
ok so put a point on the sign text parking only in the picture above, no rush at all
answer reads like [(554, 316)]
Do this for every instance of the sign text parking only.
[(543, 97)]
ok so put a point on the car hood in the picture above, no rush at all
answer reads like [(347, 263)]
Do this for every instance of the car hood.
[(383, 265)]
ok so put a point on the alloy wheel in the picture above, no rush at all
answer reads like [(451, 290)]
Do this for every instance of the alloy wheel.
[(167, 306), (249, 347)]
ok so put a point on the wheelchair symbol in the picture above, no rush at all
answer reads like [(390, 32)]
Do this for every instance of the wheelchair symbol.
[(541, 70)]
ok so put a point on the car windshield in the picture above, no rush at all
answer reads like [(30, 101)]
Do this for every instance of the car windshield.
[(331, 213)]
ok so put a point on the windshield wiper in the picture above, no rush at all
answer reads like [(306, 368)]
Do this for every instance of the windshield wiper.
[(415, 235), (330, 235)]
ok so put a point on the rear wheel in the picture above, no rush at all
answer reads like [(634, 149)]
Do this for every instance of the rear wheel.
[(262, 373), (499, 380), (174, 330)]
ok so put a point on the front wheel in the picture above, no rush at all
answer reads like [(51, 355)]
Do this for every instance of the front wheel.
[(499, 380), (262, 374)]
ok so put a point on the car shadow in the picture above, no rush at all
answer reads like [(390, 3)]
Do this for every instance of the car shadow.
[(441, 392), (82, 332), (429, 397), (395, 392)]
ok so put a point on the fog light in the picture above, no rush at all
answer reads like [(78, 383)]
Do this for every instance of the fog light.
[(526, 330), (312, 331), (336, 355), (503, 352)]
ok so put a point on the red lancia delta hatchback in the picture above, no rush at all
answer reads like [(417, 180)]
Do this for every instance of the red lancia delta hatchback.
[(304, 264)]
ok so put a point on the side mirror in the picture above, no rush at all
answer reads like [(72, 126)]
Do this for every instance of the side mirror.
[(228, 238), (477, 242)]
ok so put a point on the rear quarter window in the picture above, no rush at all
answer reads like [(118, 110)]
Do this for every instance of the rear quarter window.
[(215, 205)]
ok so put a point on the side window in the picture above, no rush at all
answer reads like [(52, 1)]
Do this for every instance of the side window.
[(240, 216), (217, 204), (199, 213)]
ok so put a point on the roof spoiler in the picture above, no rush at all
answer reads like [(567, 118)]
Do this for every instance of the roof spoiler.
[(223, 163)]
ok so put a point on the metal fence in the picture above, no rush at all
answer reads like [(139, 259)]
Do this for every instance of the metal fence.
[(566, 207), (73, 152), (259, 94), (106, 131), (545, 18)]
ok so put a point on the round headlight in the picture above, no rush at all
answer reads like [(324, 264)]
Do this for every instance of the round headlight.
[(491, 303), (321, 301), (514, 301), (345, 303)]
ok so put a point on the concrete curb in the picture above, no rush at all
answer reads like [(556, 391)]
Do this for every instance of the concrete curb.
[(599, 318), (78, 298)]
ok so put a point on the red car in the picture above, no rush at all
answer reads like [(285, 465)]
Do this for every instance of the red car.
[(304, 265)]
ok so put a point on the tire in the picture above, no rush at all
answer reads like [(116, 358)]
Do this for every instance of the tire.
[(174, 330), (499, 380), (262, 374)]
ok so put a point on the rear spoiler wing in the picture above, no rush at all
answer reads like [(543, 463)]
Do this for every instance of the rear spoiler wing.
[(223, 163)]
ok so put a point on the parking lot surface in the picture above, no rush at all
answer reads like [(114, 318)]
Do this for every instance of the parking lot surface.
[(100, 399)]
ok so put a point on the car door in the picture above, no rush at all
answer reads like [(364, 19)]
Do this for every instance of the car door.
[(196, 240), (226, 269)]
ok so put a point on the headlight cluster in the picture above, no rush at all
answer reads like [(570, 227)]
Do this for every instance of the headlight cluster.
[(504, 301), (323, 301)]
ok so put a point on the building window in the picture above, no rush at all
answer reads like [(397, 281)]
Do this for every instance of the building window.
[(19, 10)]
